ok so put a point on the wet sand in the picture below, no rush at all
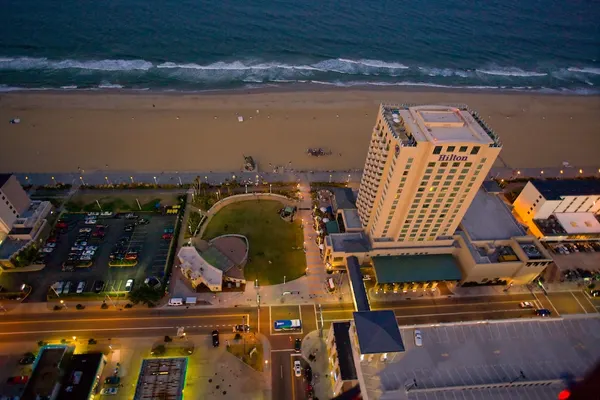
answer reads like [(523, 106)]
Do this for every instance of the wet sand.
[(61, 132)]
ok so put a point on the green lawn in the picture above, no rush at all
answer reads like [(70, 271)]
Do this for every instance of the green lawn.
[(271, 239)]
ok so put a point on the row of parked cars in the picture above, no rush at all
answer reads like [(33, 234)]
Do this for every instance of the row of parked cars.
[(122, 249), (66, 287), (576, 247)]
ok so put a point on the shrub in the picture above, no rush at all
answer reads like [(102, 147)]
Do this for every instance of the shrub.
[(57, 307), (104, 306), (237, 336), (168, 339), (128, 305), (80, 306)]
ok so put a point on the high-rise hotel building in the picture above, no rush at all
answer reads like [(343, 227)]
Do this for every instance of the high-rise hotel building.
[(423, 169)]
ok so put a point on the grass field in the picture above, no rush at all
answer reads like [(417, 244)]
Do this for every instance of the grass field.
[(276, 246), (119, 200)]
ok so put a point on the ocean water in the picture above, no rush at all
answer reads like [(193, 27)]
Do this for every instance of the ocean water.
[(195, 45)]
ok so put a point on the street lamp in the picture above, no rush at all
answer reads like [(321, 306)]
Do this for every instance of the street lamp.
[(270, 188), (107, 181), (155, 181), (206, 178), (62, 303), (330, 176), (81, 179), (54, 180), (131, 177)]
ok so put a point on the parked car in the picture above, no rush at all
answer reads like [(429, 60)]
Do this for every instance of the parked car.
[(47, 249), (85, 230), (67, 288), (91, 221), (58, 287), (112, 380), (28, 358), (106, 214), (129, 228), (297, 369), (109, 391), (543, 312), (129, 285), (297, 345), (17, 380), (98, 286), (77, 248), (418, 338), (526, 304), (168, 230), (51, 244), (85, 258), (308, 373), (131, 216), (81, 287), (143, 221), (52, 239), (93, 214), (215, 338), (167, 236), (595, 293), (241, 328)]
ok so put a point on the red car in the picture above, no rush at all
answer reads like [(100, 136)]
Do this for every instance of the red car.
[(51, 240), (16, 380), (61, 225), (167, 236)]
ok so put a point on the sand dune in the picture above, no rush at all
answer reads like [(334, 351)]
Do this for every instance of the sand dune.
[(61, 132)]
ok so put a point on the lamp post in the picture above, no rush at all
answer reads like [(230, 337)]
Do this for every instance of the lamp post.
[(155, 181), (107, 181), (131, 177), (82, 181), (54, 180), (270, 188), (330, 176), (62, 303), (206, 178)]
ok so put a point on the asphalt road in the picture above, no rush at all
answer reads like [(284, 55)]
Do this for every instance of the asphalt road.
[(160, 322)]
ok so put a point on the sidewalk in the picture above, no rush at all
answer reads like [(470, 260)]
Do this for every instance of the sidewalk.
[(312, 344)]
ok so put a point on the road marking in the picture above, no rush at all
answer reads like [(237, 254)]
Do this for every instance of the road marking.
[(91, 330), (552, 305), (431, 306), (270, 322), (300, 314), (125, 319), (282, 350), (580, 305), (589, 301)]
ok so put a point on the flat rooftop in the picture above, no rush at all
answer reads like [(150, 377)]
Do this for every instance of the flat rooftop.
[(556, 189), (47, 372), (421, 268), (474, 355), (359, 293), (78, 381), (574, 223), (341, 333), (353, 242), (444, 124), (161, 378), (9, 246), (488, 218), (351, 219)]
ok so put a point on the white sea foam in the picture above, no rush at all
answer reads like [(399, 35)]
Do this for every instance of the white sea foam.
[(585, 70), (108, 85), (27, 63), (510, 71), (69, 87)]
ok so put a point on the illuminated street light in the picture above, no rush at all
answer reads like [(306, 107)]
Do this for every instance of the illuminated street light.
[(155, 181), (561, 171), (74, 337), (581, 171), (131, 177)]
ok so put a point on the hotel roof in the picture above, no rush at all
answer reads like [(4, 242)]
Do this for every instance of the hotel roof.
[(557, 189), (361, 301), (378, 332), (488, 218), (354, 242), (440, 124), (351, 219)]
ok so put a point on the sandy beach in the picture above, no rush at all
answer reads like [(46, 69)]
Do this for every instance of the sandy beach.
[(61, 132)]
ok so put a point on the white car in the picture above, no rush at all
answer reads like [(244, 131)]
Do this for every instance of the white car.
[(106, 213), (90, 221), (51, 245), (418, 338), (88, 252), (85, 258), (58, 287), (129, 285), (85, 230), (93, 214), (93, 248), (80, 287), (77, 248), (109, 391), (526, 304), (67, 288), (297, 369), (47, 249)]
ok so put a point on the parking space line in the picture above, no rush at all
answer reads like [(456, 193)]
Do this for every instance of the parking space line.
[(578, 302), (595, 307)]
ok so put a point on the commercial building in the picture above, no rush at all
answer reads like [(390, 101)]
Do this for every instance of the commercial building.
[(558, 210), (13, 202), (341, 361), (493, 248), (82, 377), (423, 168), (161, 378), (49, 369)]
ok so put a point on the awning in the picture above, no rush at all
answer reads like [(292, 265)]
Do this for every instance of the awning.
[(424, 268)]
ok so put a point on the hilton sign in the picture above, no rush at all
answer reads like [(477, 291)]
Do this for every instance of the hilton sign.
[(452, 157)]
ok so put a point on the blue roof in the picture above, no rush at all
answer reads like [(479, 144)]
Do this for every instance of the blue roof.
[(332, 227), (378, 332), (491, 187), (341, 333), (559, 188), (343, 198), (357, 284)]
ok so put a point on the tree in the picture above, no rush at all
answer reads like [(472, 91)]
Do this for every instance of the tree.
[(145, 295)]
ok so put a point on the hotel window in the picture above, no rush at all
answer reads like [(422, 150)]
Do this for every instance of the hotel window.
[(412, 235), (420, 189), (426, 177), (453, 170), (462, 149), (444, 164), (438, 150), (451, 149), (464, 171), (405, 173), (461, 177), (431, 164), (402, 181), (475, 150), (455, 189), (456, 164), (438, 177), (428, 170), (410, 160), (430, 194), (479, 166), (439, 200), (450, 177), (437, 225), (447, 183), (468, 164), (452, 194), (483, 160)]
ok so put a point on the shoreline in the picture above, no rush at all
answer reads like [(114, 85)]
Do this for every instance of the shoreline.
[(303, 87), (121, 130)]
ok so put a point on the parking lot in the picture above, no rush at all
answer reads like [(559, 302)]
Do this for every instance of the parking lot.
[(144, 240), (575, 262)]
